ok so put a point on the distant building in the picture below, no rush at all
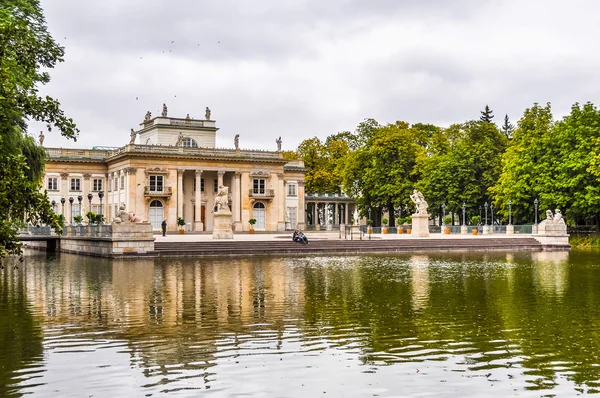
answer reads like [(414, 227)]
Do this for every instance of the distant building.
[(175, 171)]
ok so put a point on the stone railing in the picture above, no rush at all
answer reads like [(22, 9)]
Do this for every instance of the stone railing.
[(184, 122), (77, 153), (266, 194), (165, 191)]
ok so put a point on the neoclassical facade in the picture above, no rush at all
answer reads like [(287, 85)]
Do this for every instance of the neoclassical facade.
[(170, 169)]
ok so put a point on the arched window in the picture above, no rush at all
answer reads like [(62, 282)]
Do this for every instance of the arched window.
[(189, 143), (156, 214), (149, 141)]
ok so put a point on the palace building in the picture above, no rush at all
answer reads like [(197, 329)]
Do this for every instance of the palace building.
[(174, 171)]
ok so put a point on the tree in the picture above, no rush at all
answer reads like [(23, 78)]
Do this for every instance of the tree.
[(507, 127), (380, 174), (486, 115), (26, 48)]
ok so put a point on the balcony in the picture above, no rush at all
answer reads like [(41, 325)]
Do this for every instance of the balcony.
[(165, 192), (265, 194)]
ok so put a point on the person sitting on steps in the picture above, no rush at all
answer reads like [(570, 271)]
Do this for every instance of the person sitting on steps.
[(298, 236)]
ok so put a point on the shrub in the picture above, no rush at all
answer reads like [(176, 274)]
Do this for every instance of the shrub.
[(180, 221), (475, 220), (252, 221), (447, 220), (78, 219), (384, 221)]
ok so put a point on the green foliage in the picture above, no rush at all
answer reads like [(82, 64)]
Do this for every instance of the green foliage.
[(508, 127), (369, 222), (180, 221), (94, 218), (78, 219), (252, 221), (447, 220), (475, 220), (384, 221), (290, 155), (27, 51), (584, 241)]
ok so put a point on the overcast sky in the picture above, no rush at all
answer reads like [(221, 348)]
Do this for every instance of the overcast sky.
[(304, 68)]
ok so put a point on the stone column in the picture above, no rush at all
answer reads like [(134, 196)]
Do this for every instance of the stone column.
[(301, 213), (198, 225), (336, 213), (180, 193), (237, 201), (130, 193), (346, 213), (220, 178), (280, 198)]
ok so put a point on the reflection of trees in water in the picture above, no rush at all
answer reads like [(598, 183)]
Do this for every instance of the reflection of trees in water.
[(20, 334), (516, 308)]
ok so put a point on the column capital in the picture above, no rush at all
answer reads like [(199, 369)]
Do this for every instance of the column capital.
[(237, 173), (279, 175), (180, 172), (87, 176), (199, 172), (64, 175), (130, 170), (300, 183), (221, 173)]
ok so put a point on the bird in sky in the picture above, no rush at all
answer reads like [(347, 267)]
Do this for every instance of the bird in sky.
[(173, 42)]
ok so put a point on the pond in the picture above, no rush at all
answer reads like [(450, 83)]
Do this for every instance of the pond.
[(443, 325)]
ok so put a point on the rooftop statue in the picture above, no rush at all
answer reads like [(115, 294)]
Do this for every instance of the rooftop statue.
[(132, 135), (41, 138), (164, 111), (148, 116), (207, 114), (236, 141), (278, 141), (180, 139)]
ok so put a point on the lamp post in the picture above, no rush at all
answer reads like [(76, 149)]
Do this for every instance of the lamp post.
[(443, 212), (486, 207), (80, 199), (509, 212), (535, 204), (101, 195), (464, 208), (71, 200), (492, 216), (370, 227), (62, 202), (53, 205), (90, 196)]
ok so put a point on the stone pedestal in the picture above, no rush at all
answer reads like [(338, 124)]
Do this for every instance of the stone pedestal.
[(280, 226), (510, 229), (329, 227), (288, 226), (534, 229), (198, 226), (420, 225), (486, 229), (222, 225), (237, 226), (552, 229), (464, 230), (355, 232)]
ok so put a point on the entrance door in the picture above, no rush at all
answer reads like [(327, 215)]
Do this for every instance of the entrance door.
[(156, 214), (260, 214)]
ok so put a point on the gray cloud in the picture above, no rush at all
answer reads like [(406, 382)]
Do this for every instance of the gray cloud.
[(302, 68)]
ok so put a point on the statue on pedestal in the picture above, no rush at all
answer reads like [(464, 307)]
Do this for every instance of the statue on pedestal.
[(41, 138), (420, 203), (122, 216), (148, 116), (278, 142), (164, 111), (355, 216), (222, 200), (236, 142), (207, 113), (180, 140)]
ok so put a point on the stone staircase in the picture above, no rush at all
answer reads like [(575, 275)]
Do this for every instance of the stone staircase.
[(283, 247)]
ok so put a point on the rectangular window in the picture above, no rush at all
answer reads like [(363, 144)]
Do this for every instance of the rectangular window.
[(97, 185), (116, 184), (52, 184), (202, 185), (109, 184), (75, 184), (156, 183), (216, 185), (292, 217), (258, 186), (292, 190), (75, 211), (122, 182), (97, 209), (194, 185)]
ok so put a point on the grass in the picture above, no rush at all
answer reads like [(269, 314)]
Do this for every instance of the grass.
[(585, 240)]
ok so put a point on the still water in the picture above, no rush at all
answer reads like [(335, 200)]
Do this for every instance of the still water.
[(468, 325)]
